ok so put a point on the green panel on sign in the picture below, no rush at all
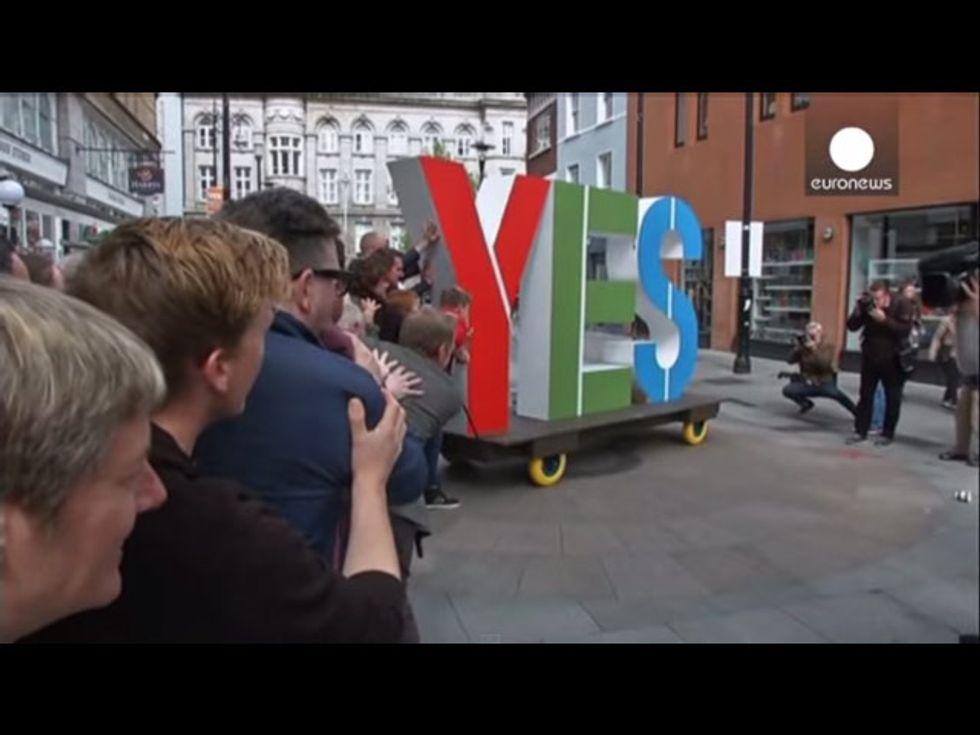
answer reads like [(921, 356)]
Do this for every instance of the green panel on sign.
[(607, 390), (610, 302), (612, 212), (566, 307)]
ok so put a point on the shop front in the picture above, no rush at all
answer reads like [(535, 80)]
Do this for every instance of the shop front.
[(888, 246)]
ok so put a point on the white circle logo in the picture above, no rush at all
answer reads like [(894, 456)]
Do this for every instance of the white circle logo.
[(851, 149)]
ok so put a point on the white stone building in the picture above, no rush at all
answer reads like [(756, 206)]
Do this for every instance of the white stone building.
[(334, 147)]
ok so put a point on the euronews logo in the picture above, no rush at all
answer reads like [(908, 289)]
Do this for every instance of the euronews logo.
[(852, 150), (853, 159)]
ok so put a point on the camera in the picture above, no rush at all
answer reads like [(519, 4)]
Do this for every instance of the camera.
[(866, 303), (943, 274)]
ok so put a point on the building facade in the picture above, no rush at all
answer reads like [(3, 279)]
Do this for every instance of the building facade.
[(334, 147), (72, 153), (542, 133), (592, 144), (819, 252)]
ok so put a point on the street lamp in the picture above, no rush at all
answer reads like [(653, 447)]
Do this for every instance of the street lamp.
[(345, 200), (743, 362), (11, 195), (481, 155)]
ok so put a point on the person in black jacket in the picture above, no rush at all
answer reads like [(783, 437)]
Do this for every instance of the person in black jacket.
[(886, 324)]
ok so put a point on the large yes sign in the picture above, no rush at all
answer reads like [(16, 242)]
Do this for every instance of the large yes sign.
[(526, 242)]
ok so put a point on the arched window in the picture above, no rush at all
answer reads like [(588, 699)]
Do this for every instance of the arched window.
[(363, 138), (328, 136)]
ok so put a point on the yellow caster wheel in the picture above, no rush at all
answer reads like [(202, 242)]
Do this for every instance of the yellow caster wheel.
[(547, 471), (695, 432)]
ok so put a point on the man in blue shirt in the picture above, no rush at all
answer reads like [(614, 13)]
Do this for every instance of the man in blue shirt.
[(293, 442)]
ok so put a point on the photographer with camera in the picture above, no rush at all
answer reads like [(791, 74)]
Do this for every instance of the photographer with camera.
[(967, 333), (886, 326), (818, 371)]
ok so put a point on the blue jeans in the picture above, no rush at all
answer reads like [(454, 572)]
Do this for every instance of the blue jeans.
[(878, 412), (432, 449)]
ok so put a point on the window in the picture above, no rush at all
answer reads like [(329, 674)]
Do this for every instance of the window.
[(702, 115), (206, 179), (243, 181), (363, 193), (328, 138), (363, 139), (44, 127), (571, 174), (398, 140), (888, 246), (767, 106), (464, 140), (697, 285), (285, 155), (680, 119), (507, 139), (603, 171), (507, 172), (782, 303), (241, 133), (28, 116), (117, 169), (542, 133), (799, 101), (10, 113), (104, 156), (205, 132), (572, 117), (604, 104), (327, 191), (430, 136), (33, 222), (105, 159), (360, 230), (392, 194), (396, 235)]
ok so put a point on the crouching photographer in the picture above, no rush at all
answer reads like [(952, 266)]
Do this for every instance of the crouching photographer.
[(818, 371), (950, 281)]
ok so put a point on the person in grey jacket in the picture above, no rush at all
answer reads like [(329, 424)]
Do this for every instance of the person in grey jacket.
[(425, 348), (968, 362), (426, 345)]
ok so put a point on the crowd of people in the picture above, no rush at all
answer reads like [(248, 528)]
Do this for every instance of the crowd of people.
[(195, 368), (891, 340), (216, 430)]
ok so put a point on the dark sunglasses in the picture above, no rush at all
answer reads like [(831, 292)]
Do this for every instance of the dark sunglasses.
[(342, 278)]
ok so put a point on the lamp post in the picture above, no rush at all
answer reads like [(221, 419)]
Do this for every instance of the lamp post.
[(481, 155), (742, 362), (11, 195), (225, 148), (345, 201), (240, 142)]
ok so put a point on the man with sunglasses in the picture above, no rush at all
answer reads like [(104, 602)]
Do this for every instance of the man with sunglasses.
[(292, 444)]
